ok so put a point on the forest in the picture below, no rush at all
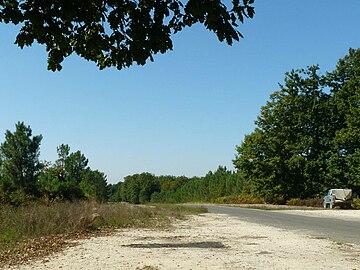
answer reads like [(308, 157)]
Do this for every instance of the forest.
[(306, 140)]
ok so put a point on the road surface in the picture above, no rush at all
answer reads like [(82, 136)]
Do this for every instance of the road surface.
[(339, 230)]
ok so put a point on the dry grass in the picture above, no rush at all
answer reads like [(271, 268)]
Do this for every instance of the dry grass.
[(31, 231), (311, 202)]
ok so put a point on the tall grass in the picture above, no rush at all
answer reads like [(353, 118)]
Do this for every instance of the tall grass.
[(21, 225)]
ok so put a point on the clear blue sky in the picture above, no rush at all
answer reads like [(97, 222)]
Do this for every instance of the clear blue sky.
[(183, 114)]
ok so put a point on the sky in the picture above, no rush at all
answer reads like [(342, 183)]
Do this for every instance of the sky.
[(183, 114)]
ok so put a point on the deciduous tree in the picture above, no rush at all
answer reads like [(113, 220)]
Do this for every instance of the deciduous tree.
[(307, 136), (118, 33)]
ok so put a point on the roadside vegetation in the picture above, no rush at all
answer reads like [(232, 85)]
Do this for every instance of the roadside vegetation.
[(356, 203), (37, 229)]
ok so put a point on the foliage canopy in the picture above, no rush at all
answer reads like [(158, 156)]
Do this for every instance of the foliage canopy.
[(307, 136), (20, 160), (24, 177), (117, 33)]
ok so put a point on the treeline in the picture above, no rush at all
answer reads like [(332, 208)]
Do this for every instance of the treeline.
[(306, 140), (307, 137), (23, 177), (146, 187)]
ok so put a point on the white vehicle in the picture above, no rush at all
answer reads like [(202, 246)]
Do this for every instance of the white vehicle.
[(338, 197)]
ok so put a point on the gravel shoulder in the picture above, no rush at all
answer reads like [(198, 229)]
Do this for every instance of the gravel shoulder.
[(208, 241)]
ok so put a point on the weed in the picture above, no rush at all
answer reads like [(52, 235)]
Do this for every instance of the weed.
[(35, 225)]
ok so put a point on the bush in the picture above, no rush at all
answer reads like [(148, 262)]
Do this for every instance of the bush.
[(279, 200), (356, 203), (311, 202), (240, 199)]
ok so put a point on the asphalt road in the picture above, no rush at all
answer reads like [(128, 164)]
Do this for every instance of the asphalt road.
[(339, 230)]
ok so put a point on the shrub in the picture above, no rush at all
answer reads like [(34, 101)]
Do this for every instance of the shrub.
[(356, 203), (240, 199), (311, 202)]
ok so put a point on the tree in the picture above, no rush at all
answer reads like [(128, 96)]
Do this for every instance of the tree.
[(94, 185), (62, 180), (20, 159), (286, 155), (307, 137), (345, 104), (219, 183), (63, 151), (3, 194), (75, 166), (72, 167), (254, 167), (117, 33), (114, 192), (131, 189), (138, 188)]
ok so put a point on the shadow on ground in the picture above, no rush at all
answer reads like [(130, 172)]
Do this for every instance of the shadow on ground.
[(179, 245)]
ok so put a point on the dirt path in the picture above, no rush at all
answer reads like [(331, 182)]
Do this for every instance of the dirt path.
[(208, 241)]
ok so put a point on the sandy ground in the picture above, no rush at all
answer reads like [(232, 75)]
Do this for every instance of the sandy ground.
[(209, 241)]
